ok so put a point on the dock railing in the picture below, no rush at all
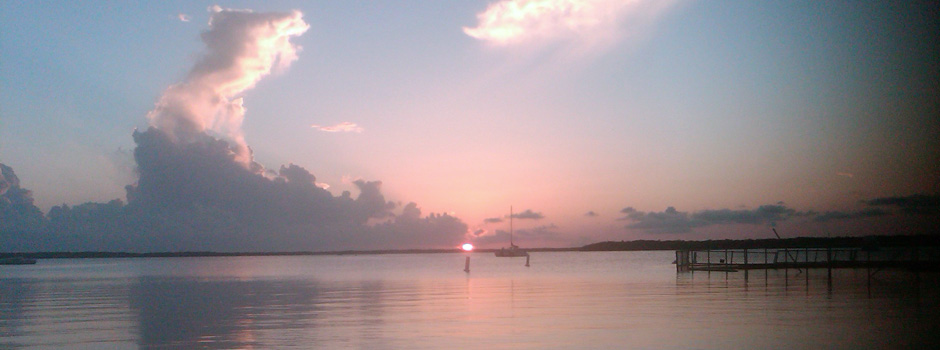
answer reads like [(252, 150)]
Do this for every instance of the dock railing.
[(800, 258)]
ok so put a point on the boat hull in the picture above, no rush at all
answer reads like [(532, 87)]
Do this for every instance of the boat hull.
[(511, 253)]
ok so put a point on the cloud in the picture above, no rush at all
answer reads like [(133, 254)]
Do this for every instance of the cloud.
[(19, 217), (5, 184), (591, 214), (763, 214), (541, 232), (341, 127), (848, 175), (528, 214), (674, 221), (629, 214), (183, 17), (410, 230), (501, 237), (492, 220), (841, 215), (495, 238), (512, 22), (198, 188), (243, 47), (667, 221), (913, 204), (197, 196)]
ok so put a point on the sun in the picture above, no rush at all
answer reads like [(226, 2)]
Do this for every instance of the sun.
[(467, 247)]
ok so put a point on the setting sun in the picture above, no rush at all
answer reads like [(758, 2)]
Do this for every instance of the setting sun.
[(467, 247)]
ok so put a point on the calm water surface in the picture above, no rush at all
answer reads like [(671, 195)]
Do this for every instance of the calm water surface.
[(616, 300)]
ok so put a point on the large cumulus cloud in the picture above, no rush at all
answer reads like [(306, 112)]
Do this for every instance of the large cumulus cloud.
[(242, 47), (198, 186), (19, 217)]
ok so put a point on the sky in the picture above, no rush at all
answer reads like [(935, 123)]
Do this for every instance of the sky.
[(594, 120)]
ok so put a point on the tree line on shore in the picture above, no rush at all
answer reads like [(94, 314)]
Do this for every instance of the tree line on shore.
[(865, 242)]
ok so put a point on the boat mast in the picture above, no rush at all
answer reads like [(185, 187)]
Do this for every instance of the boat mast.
[(510, 227)]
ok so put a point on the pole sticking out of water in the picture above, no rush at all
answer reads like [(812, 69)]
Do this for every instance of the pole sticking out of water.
[(467, 248), (527, 260), (786, 251)]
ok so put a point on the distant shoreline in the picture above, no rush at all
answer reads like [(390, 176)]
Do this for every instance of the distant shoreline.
[(870, 242)]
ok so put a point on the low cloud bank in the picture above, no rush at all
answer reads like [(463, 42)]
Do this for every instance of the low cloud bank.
[(674, 221)]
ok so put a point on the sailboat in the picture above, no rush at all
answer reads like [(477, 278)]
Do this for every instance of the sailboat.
[(513, 250)]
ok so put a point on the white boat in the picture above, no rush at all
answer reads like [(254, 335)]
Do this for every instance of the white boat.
[(513, 250)]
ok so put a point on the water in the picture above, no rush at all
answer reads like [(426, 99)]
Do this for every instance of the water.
[(566, 300)]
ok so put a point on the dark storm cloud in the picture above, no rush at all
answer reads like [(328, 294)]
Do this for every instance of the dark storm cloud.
[(284, 213), (20, 219), (296, 174), (913, 204), (841, 215), (630, 214), (4, 183), (199, 188), (667, 221), (197, 196), (763, 214), (674, 221), (528, 214), (410, 230)]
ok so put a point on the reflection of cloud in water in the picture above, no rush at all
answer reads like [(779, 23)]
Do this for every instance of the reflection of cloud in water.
[(222, 314), (15, 297), (183, 313), (369, 296), (62, 313)]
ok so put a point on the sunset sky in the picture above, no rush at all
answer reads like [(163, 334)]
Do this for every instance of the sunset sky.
[(597, 120)]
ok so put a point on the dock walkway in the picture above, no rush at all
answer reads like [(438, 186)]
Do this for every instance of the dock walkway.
[(730, 260)]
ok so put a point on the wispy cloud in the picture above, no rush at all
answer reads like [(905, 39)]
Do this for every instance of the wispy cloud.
[(183, 17), (510, 22), (341, 127)]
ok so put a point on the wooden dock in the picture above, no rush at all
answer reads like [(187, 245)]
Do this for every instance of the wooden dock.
[(731, 260)]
